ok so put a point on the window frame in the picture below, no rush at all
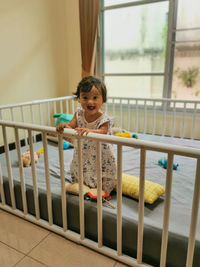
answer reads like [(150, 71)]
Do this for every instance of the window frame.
[(170, 45)]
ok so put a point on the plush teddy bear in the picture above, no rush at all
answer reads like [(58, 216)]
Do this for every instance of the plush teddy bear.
[(26, 157)]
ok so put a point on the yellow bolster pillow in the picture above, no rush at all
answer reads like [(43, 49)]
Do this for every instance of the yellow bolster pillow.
[(130, 187)]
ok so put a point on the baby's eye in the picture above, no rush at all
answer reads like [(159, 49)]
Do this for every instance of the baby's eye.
[(95, 97), (84, 97)]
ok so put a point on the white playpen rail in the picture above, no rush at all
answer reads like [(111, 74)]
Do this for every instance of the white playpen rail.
[(144, 146), (150, 108), (45, 107), (140, 115)]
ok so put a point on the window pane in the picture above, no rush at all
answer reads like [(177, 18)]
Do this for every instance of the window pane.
[(188, 14), (186, 78), (189, 35), (140, 86), (134, 38)]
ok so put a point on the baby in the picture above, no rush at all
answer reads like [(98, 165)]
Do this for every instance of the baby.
[(91, 93)]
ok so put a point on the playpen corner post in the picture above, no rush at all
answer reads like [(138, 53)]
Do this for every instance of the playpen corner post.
[(194, 216), (141, 205), (81, 196), (2, 194), (62, 178), (35, 188), (166, 216), (23, 189), (47, 177), (119, 200), (99, 193), (10, 178)]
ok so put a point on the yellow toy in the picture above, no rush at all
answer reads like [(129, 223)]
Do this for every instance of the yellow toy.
[(126, 134), (123, 133), (26, 157)]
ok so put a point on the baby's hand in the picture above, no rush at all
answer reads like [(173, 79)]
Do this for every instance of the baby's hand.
[(81, 131), (60, 127)]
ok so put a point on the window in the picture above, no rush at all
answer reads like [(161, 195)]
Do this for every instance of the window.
[(135, 60), (186, 71)]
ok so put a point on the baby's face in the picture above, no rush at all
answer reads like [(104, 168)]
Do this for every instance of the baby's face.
[(91, 101)]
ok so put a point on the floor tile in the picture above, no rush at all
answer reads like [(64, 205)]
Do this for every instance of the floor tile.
[(58, 251), (20, 234), (27, 261), (9, 256)]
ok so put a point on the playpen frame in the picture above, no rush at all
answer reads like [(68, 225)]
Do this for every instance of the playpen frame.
[(143, 146)]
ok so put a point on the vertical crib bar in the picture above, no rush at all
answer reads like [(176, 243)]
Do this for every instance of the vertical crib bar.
[(23, 120), (193, 121), (48, 112), (23, 189), (141, 206), (32, 121), (120, 113), (99, 193), (145, 117), (81, 196), (73, 108), (1, 188), (35, 188), (22, 113), (12, 114), (136, 116), (194, 217), (10, 179), (54, 107), (129, 115), (183, 121), (173, 119), (119, 200), (67, 106), (41, 115), (154, 117), (113, 107), (164, 117), (61, 106), (32, 114), (48, 185), (62, 180), (166, 210)]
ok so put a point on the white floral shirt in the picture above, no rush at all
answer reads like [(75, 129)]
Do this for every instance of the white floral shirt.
[(89, 156)]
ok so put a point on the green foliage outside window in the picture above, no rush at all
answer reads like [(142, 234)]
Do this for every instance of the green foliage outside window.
[(188, 77)]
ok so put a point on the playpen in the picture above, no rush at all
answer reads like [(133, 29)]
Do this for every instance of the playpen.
[(165, 233)]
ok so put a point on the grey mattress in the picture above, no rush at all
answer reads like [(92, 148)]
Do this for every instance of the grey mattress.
[(181, 202)]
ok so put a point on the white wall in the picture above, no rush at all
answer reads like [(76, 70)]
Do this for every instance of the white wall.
[(39, 49)]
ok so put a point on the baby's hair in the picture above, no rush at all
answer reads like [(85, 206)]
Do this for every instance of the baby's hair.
[(86, 85)]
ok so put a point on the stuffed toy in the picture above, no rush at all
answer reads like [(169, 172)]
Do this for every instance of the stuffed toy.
[(89, 193), (26, 157), (123, 133), (163, 163), (62, 118)]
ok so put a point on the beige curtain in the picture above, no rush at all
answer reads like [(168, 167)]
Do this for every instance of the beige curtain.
[(89, 15)]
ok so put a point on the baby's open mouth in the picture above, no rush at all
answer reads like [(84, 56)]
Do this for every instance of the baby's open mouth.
[(90, 107)]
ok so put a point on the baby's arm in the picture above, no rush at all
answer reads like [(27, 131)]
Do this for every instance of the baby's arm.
[(72, 125), (103, 129)]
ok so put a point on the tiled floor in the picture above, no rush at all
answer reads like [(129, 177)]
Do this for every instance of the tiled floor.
[(25, 244)]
